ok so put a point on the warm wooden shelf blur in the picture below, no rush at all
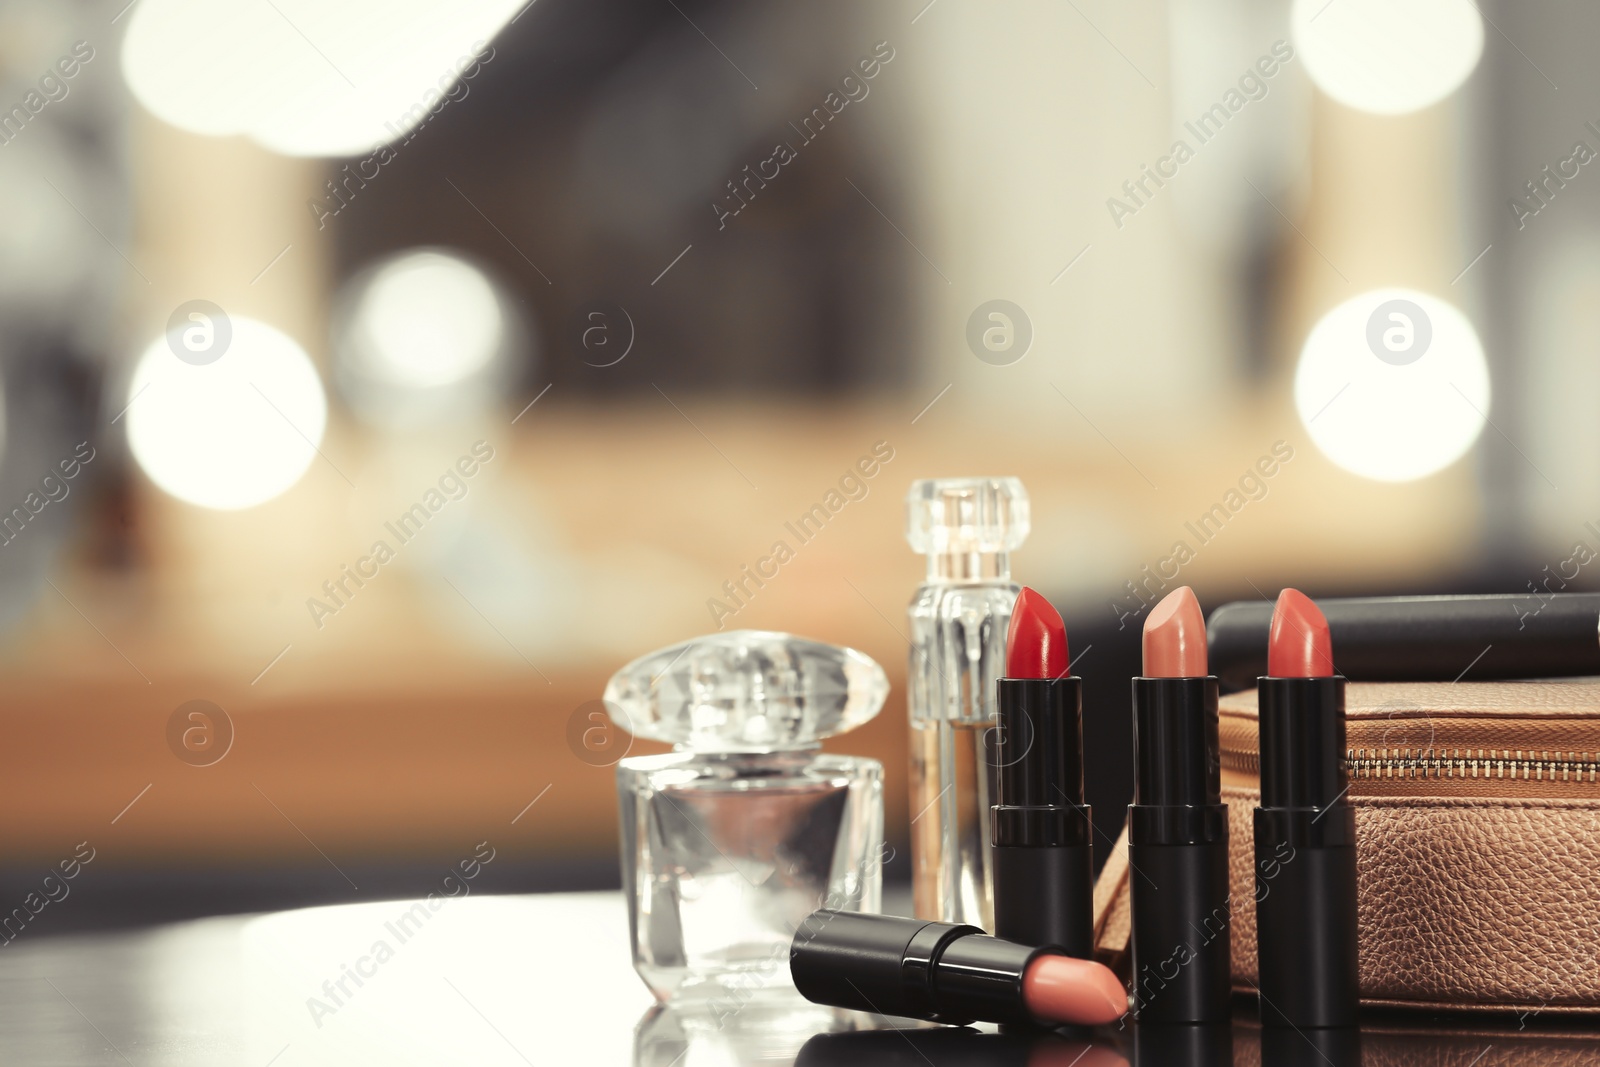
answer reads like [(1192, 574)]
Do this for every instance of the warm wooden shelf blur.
[(427, 715), (410, 724)]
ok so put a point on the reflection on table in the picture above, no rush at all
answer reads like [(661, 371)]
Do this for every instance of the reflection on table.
[(491, 980)]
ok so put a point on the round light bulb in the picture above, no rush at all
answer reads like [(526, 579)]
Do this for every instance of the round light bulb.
[(1393, 385), (1384, 56), (233, 432)]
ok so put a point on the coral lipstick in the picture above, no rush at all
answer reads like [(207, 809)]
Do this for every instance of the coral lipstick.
[(1040, 830), (1178, 826), (1298, 644), (1305, 829)]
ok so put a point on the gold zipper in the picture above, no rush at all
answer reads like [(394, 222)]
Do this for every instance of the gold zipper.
[(1487, 763), (1482, 763)]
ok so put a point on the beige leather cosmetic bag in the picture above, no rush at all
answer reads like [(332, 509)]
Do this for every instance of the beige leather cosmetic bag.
[(1478, 822)]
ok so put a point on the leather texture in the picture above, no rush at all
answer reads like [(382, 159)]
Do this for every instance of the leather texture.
[(1113, 909), (1485, 904), (1466, 902)]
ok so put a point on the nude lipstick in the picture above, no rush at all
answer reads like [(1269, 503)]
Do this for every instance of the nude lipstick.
[(1042, 853), (1178, 826), (1305, 829), (946, 973)]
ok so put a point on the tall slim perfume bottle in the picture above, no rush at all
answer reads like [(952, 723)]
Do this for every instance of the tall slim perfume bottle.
[(731, 840), (967, 527)]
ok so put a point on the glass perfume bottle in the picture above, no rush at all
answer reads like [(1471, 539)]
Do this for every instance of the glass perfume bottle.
[(734, 837), (966, 527)]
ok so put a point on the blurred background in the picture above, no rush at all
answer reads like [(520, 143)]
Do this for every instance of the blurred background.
[(382, 377)]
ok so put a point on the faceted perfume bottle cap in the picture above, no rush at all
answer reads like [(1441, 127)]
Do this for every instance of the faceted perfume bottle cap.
[(746, 690), (955, 515)]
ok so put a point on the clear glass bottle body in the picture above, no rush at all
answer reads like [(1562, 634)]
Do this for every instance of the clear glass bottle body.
[(959, 619), (724, 854)]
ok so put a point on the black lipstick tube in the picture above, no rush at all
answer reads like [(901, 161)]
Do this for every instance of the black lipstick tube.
[(1040, 829), (1305, 857), (1178, 855), (1159, 1045), (914, 968)]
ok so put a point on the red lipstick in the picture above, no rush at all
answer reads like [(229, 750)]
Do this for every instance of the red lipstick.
[(946, 972), (1178, 826), (1042, 854), (1036, 643), (1305, 830)]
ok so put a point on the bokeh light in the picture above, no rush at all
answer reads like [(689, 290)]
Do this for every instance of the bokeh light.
[(422, 335), (306, 78), (1385, 57), (1393, 385), (232, 433), (427, 319)]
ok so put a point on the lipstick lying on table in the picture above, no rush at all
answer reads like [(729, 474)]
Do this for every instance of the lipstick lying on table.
[(947, 973), (1178, 826), (1305, 829), (1043, 857)]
